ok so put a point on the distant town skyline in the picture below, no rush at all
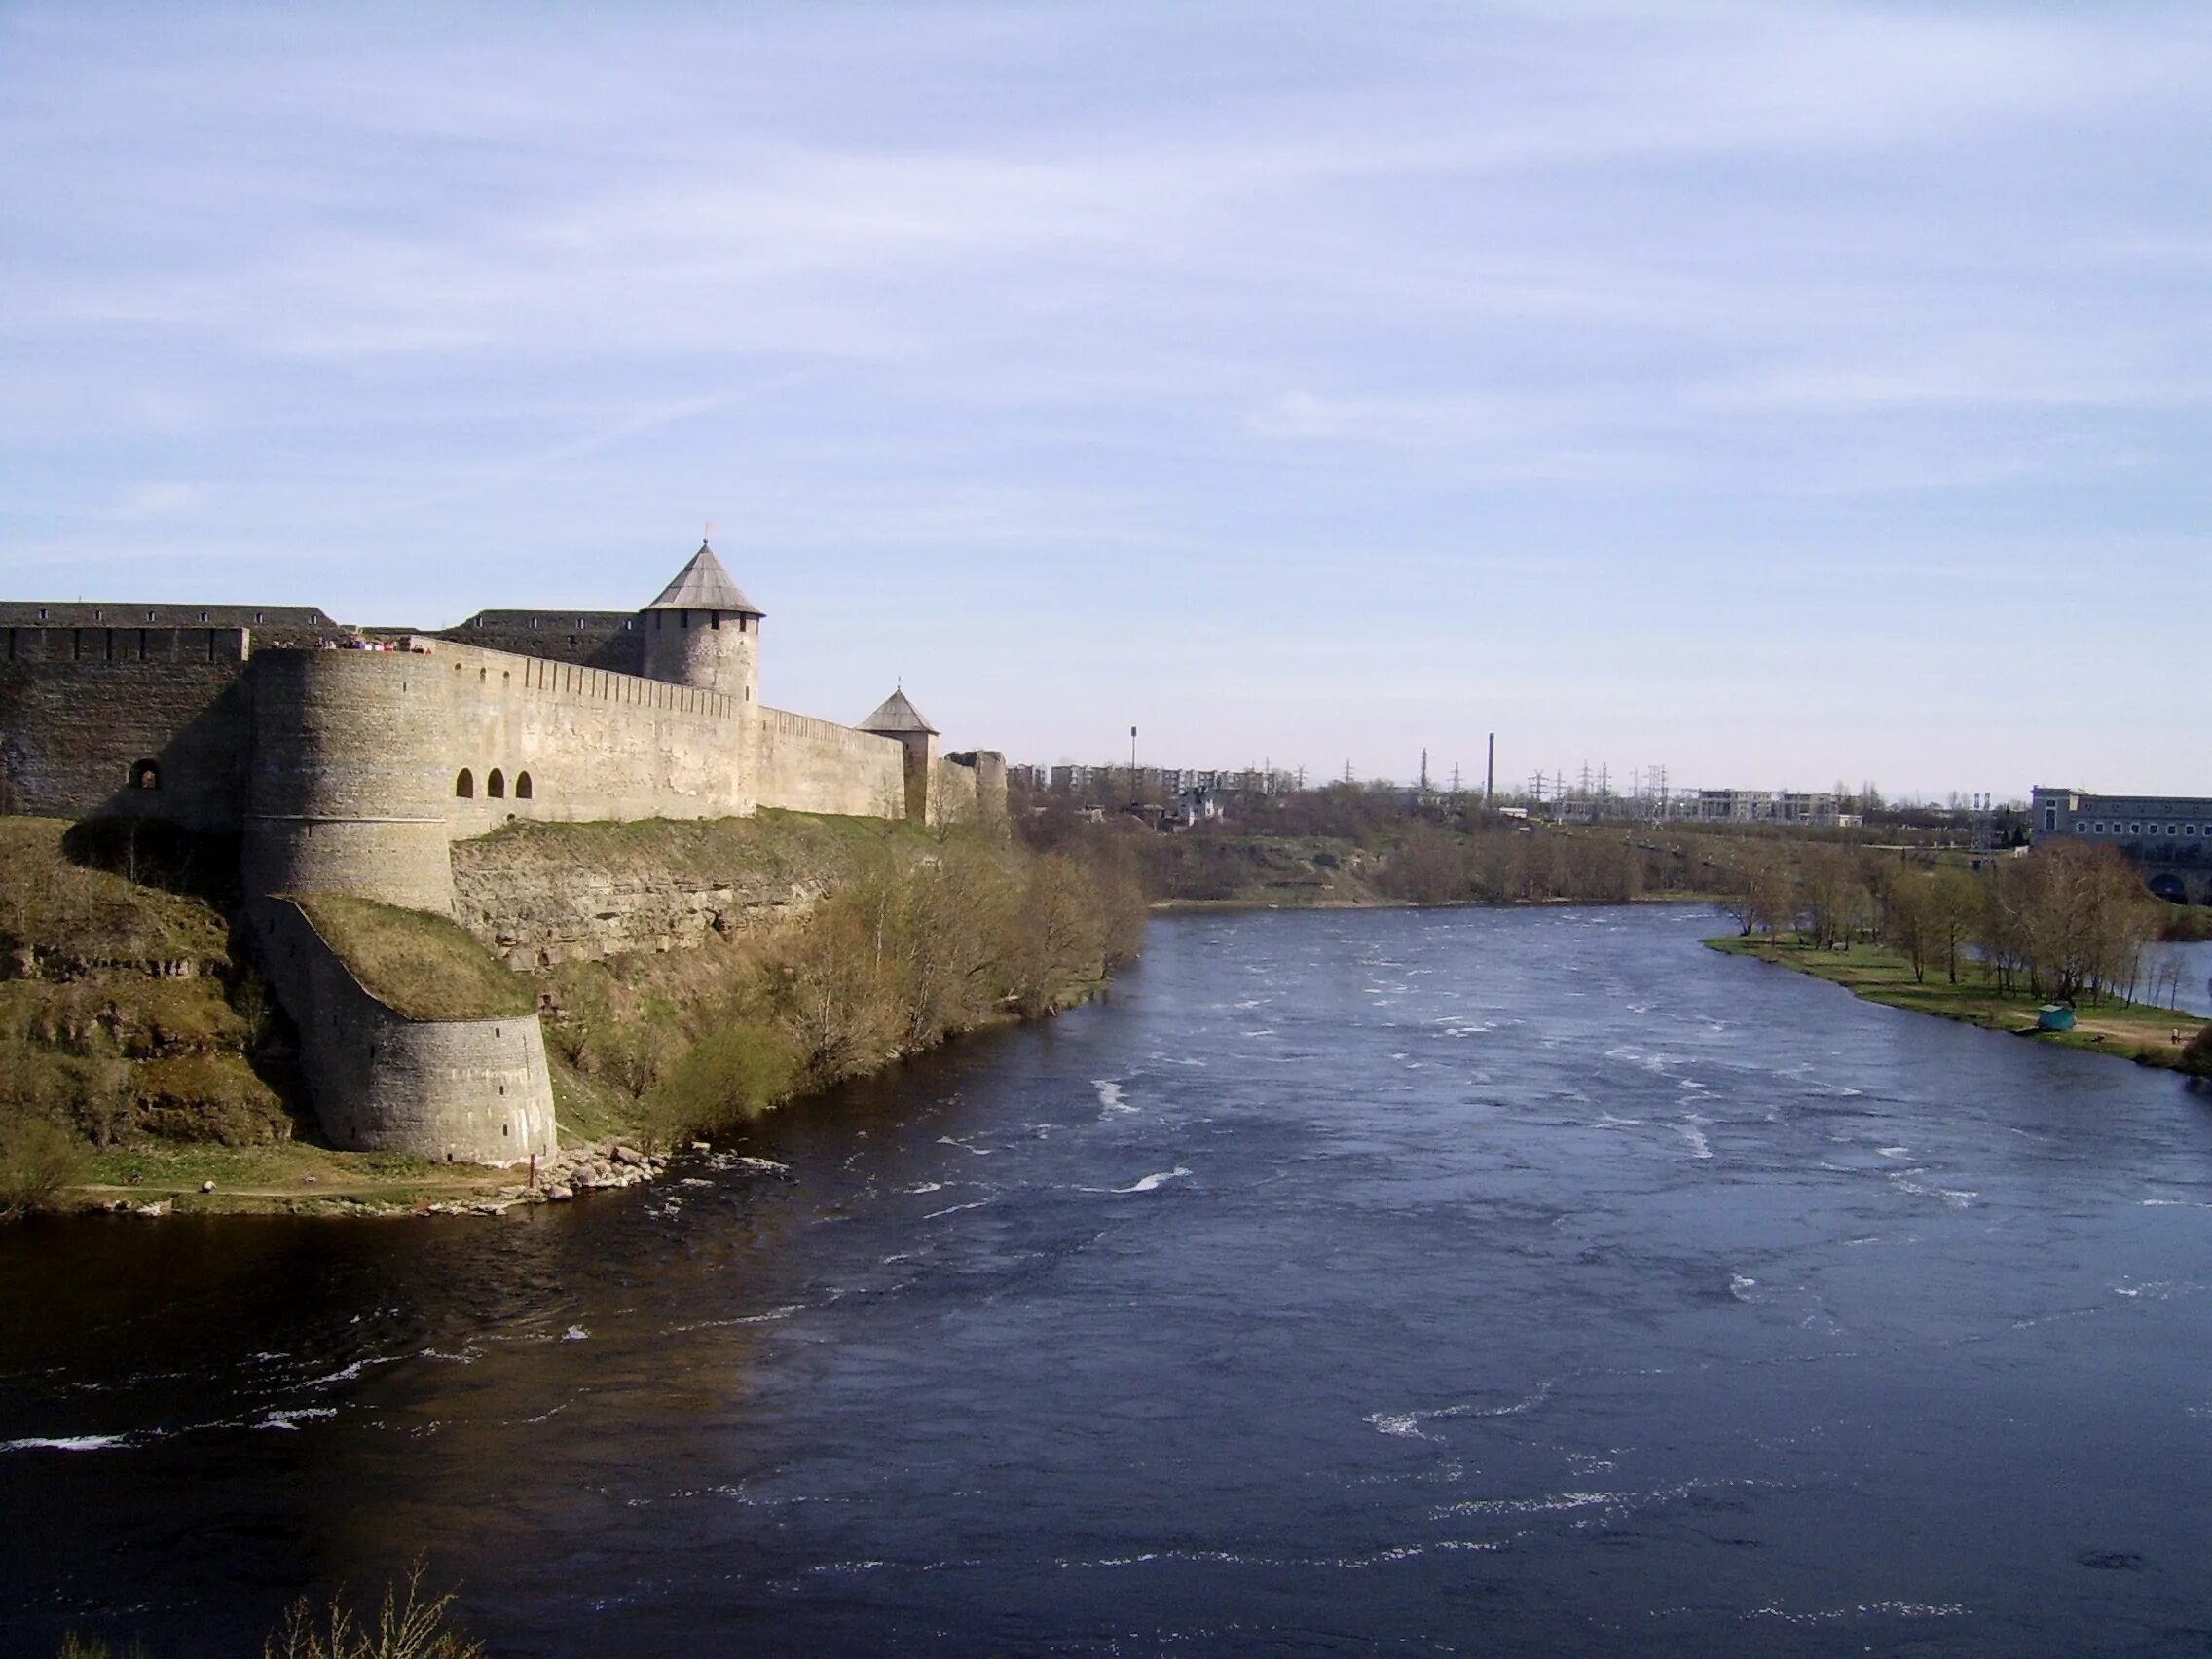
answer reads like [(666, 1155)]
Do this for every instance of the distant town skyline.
[(1782, 395)]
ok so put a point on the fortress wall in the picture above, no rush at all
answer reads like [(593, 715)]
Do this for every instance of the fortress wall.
[(347, 781), (953, 792), (459, 1091), (972, 785), (596, 641), (990, 783), (810, 765), (594, 744), (81, 707)]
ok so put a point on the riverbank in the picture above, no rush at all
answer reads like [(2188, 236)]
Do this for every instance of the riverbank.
[(146, 1069), (604, 1142), (1358, 853), (300, 1179), (2146, 1035), (1377, 901)]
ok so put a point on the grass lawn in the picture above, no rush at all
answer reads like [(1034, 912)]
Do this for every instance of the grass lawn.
[(2135, 1030), (289, 1178), (422, 966)]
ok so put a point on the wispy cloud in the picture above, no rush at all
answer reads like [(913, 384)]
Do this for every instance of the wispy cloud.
[(1001, 298)]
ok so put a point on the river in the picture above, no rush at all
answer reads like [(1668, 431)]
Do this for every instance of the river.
[(1415, 1282)]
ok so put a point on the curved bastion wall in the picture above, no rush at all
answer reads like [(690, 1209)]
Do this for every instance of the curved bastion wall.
[(974, 784), (347, 777), (459, 1091)]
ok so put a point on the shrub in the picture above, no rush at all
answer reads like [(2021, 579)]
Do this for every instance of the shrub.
[(1427, 867), (38, 1160), (831, 994), (75, 1647), (2197, 1059), (733, 1073), (407, 1627)]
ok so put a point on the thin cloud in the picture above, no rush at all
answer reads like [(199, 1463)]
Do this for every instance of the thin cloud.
[(1065, 316)]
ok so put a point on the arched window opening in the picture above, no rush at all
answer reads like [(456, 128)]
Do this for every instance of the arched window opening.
[(146, 775), (521, 785), (495, 784), (465, 786)]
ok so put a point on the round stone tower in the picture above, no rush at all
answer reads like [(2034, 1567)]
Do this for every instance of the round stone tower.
[(348, 777), (704, 633)]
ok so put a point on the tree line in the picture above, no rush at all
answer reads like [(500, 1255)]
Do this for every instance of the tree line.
[(2068, 922), (912, 948)]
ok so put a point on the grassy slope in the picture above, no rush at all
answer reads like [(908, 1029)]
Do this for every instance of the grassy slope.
[(79, 916), (292, 1177), (422, 967), (2138, 1032), (121, 1009), (427, 966)]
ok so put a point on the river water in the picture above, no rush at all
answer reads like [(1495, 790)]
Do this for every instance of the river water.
[(2184, 970), (1448, 1281)]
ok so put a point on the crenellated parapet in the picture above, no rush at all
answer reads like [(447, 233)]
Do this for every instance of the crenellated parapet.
[(136, 721)]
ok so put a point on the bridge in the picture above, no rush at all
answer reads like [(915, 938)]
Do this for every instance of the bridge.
[(2167, 837)]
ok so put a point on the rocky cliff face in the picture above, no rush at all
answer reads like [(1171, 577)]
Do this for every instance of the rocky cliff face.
[(533, 922), (541, 894)]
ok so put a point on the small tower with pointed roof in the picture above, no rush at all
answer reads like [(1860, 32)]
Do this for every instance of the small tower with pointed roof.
[(897, 718), (703, 632)]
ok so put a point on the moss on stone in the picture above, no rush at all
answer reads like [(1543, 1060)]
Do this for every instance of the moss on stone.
[(420, 965)]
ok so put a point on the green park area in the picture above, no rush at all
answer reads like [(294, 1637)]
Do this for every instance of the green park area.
[(2109, 1024)]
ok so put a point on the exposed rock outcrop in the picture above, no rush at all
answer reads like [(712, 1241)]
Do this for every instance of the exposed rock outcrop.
[(542, 894), (533, 917)]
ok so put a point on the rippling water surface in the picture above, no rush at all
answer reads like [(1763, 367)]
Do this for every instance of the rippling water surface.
[(1449, 1282)]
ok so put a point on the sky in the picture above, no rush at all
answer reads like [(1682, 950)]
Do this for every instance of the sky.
[(1778, 394)]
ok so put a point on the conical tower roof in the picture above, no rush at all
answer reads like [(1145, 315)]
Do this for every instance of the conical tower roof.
[(895, 715), (704, 586)]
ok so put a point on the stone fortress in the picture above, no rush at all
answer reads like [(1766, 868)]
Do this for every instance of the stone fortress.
[(350, 760)]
